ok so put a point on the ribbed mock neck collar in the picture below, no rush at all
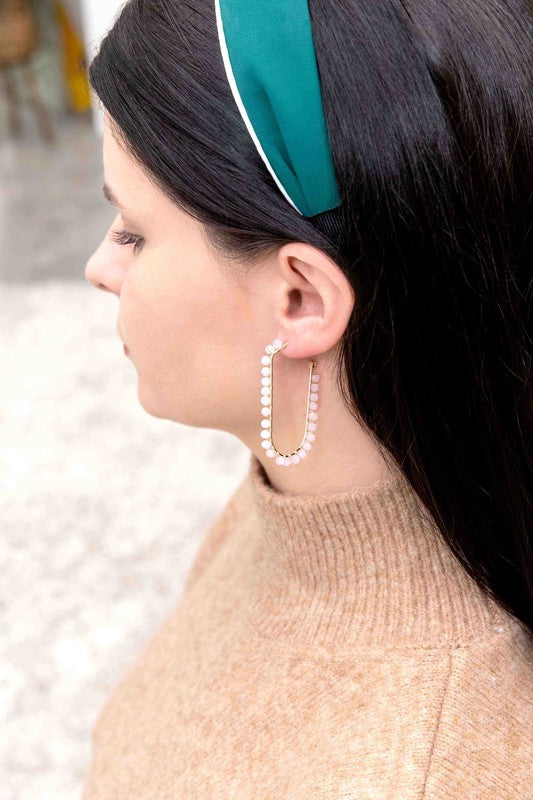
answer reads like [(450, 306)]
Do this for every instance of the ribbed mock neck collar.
[(363, 567)]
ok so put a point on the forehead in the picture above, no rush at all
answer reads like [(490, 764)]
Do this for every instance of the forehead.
[(142, 201), (127, 180), (116, 158)]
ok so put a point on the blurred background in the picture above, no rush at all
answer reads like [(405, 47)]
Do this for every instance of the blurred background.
[(102, 507)]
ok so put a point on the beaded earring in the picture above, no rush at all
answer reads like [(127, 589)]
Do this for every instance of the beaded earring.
[(267, 397)]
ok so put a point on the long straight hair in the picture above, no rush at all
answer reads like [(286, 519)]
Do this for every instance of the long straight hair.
[(429, 114)]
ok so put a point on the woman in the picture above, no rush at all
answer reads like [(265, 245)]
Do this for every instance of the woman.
[(331, 199)]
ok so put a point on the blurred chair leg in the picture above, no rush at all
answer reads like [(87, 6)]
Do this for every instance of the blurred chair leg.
[(13, 109), (43, 117)]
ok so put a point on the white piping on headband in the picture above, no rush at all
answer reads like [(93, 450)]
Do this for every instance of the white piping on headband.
[(231, 80)]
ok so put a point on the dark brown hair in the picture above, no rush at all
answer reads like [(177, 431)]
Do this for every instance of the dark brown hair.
[(429, 113)]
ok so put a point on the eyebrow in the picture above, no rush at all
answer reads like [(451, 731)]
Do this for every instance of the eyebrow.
[(108, 194)]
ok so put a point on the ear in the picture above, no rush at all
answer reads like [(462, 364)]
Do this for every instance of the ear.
[(315, 302)]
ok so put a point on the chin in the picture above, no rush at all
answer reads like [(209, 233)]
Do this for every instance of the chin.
[(155, 405), (150, 402), (166, 401)]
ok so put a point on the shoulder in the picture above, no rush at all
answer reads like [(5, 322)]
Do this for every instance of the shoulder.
[(483, 738)]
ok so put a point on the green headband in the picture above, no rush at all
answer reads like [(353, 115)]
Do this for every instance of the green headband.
[(270, 63)]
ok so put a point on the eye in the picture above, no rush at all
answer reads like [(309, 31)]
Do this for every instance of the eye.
[(125, 237)]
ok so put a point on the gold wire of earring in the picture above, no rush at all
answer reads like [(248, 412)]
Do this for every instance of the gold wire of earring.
[(267, 398)]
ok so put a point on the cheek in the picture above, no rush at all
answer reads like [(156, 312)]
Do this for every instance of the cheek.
[(184, 322)]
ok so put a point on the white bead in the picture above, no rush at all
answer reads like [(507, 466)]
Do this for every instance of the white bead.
[(307, 445), (265, 423), (265, 389), (269, 349), (313, 406), (313, 396), (314, 388), (266, 444), (302, 453), (271, 453), (277, 344), (265, 381), (313, 415), (265, 411), (265, 434), (295, 458), (279, 459), (311, 426), (265, 360), (310, 436), (316, 378), (287, 461), (265, 371), (265, 401)]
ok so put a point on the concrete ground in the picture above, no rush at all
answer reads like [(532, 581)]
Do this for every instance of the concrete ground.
[(102, 507)]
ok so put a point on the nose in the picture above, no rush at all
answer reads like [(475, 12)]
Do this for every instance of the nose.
[(105, 267)]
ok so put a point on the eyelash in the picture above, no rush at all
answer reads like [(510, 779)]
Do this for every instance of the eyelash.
[(124, 237)]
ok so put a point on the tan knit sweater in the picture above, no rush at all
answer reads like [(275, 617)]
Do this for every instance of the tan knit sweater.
[(324, 647)]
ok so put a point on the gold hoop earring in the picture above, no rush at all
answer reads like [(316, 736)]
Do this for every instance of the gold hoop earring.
[(267, 398)]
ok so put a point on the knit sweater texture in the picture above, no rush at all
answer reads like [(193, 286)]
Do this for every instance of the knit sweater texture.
[(327, 647)]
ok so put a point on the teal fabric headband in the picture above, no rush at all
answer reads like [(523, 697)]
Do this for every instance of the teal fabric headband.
[(270, 63)]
